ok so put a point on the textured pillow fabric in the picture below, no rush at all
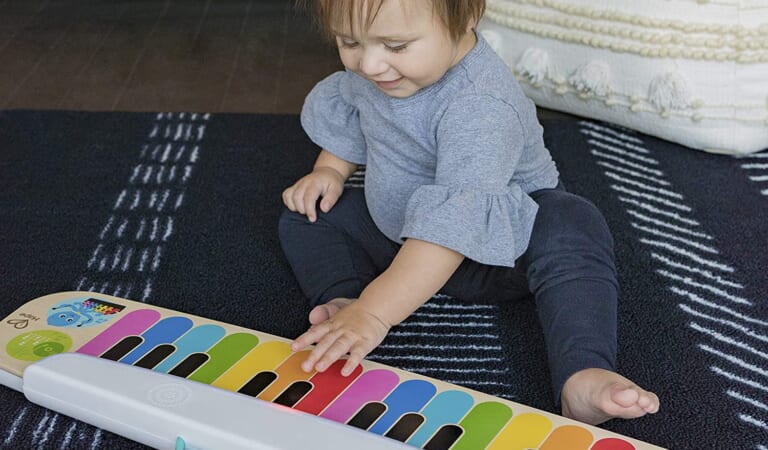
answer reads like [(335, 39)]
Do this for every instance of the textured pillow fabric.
[(693, 72)]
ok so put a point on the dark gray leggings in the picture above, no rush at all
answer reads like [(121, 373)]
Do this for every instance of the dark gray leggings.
[(568, 267)]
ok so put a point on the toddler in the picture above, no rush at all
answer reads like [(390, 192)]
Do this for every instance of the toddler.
[(461, 196)]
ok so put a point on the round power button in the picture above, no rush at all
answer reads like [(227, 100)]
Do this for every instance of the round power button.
[(168, 395)]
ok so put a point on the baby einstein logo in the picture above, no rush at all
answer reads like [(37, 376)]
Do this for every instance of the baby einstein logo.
[(82, 312)]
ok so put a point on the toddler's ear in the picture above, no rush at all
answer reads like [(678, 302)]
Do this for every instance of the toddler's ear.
[(472, 23)]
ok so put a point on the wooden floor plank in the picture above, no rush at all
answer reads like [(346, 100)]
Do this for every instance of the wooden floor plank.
[(103, 81), (245, 56), (26, 36)]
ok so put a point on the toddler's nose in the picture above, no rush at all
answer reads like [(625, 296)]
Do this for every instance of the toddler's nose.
[(372, 63)]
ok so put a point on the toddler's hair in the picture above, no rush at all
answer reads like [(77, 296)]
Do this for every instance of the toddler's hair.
[(454, 14)]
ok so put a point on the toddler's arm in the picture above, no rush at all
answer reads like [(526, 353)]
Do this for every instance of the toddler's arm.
[(418, 271), (326, 180)]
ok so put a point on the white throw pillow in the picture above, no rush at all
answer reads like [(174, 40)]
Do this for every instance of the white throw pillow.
[(693, 72)]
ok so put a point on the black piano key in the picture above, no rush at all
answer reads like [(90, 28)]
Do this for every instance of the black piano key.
[(189, 365), (122, 348), (446, 436), (258, 383), (154, 357), (295, 392), (368, 415), (405, 426)]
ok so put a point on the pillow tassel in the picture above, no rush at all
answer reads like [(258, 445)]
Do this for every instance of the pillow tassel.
[(669, 91), (593, 77), (535, 66)]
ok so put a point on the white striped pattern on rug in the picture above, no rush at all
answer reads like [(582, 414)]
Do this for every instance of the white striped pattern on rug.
[(708, 287), (463, 341), (756, 166), (129, 251)]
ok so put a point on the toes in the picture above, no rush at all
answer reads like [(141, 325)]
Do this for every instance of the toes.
[(624, 396), (628, 397), (596, 395), (632, 402), (649, 402), (644, 401)]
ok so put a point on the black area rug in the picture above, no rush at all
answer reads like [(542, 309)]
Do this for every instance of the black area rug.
[(180, 211)]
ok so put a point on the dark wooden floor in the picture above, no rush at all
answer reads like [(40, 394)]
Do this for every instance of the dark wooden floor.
[(158, 55), (257, 56)]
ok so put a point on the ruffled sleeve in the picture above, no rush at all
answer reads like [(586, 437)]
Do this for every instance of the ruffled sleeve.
[(331, 121), (473, 207), (490, 228)]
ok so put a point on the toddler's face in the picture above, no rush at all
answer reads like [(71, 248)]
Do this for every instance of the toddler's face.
[(406, 48)]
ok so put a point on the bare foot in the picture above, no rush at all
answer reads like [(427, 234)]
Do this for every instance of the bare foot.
[(321, 313), (594, 396)]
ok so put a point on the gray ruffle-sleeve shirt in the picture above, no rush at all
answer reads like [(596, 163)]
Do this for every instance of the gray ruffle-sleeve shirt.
[(452, 164)]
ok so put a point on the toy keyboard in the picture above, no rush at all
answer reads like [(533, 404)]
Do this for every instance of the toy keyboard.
[(415, 410)]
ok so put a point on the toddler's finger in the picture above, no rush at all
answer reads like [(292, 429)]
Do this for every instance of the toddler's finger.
[(333, 353), (309, 364), (329, 199), (353, 361), (297, 197), (310, 200), (288, 199), (309, 206), (308, 338), (349, 367), (317, 353)]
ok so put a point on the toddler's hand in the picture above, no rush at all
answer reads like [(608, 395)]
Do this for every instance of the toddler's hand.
[(351, 330), (302, 196)]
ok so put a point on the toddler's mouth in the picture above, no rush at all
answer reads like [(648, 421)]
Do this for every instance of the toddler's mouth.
[(387, 85)]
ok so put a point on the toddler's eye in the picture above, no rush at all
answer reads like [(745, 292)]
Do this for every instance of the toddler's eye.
[(347, 43), (396, 47)]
